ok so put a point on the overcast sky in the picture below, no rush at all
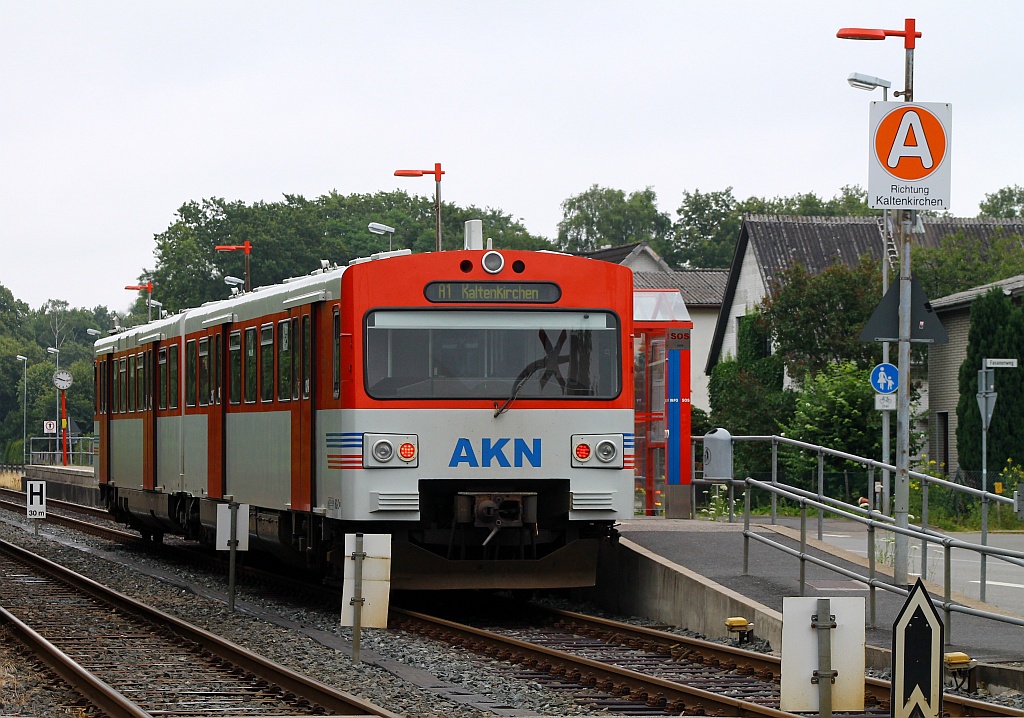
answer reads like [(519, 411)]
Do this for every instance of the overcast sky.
[(116, 113)]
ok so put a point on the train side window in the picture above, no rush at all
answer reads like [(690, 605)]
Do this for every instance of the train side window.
[(284, 360), (217, 369), (161, 365), (140, 381), (122, 399), (267, 363), (150, 388), (336, 345), (131, 383), (250, 365), (190, 372), (172, 378), (296, 358), (116, 388), (235, 367), (204, 371), (307, 349)]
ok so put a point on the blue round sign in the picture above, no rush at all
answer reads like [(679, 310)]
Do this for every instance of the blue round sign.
[(885, 379)]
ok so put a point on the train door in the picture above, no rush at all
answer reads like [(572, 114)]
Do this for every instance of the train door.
[(211, 383), (295, 382), (103, 409), (146, 410)]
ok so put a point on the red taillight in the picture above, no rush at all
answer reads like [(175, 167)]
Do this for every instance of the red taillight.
[(407, 451), (582, 451)]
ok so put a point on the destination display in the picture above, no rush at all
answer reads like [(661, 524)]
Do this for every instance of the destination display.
[(493, 292)]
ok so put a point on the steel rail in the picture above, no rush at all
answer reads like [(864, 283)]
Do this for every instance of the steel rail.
[(624, 679), (880, 689), (339, 702)]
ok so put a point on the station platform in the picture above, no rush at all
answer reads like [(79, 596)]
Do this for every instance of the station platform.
[(690, 573)]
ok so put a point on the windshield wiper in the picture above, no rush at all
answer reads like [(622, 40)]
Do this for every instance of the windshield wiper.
[(524, 376)]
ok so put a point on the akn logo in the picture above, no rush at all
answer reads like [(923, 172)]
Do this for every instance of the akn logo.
[(492, 453)]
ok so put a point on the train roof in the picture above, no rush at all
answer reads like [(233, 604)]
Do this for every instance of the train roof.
[(321, 285)]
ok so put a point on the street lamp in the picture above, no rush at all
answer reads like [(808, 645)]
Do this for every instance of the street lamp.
[(437, 172), (245, 247), (909, 34), (234, 283), (869, 82), (148, 286), (378, 228), (24, 409)]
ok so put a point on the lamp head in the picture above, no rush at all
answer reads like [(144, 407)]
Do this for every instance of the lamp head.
[(93, 332), (19, 357), (233, 281), (378, 228), (867, 82), (52, 350)]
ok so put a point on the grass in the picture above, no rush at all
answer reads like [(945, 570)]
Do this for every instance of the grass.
[(10, 480)]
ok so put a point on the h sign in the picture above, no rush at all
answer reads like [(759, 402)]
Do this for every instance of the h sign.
[(35, 499)]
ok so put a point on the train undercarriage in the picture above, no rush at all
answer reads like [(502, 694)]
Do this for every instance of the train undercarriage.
[(471, 534)]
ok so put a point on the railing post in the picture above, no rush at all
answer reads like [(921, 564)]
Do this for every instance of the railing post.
[(924, 525), (821, 494), (947, 589), (775, 477), (803, 545), (731, 495), (871, 571), (746, 528)]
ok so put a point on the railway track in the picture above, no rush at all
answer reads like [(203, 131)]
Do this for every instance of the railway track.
[(638, 670), (655, 663), (128, 659)]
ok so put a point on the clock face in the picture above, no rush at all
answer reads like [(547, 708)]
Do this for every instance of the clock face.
[(62, 379)]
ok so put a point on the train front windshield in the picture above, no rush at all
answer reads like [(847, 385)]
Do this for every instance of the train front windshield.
[(458, 354)]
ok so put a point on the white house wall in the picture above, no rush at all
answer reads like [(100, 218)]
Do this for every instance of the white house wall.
[(704, 320), (750, 290)]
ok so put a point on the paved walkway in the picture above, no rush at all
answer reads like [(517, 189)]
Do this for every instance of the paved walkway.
[(715, 550)]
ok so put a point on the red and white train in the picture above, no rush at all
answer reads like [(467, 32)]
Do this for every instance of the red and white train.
[(477, 405)]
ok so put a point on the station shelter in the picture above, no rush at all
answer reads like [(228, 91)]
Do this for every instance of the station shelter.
[(661, 356)]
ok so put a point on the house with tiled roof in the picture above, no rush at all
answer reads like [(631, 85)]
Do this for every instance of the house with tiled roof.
[(944, 360), (768, 245)]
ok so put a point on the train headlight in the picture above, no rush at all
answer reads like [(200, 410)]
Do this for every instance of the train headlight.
[(606, 451), (407, 451), (380, 451), (492, 262), (608, 448), (383, 450)]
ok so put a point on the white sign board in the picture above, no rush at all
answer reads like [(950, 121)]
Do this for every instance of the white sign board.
[(909, 155), (223, 540), (376, 584), (800, 654), (885, 402), (49, 427), (35, 499), (1000, 363)]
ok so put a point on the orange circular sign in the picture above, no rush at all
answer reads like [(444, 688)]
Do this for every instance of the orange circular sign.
[(910, 143)]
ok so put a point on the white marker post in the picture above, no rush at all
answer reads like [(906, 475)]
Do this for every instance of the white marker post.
[(367, 584), (228, 539), (35, 502)]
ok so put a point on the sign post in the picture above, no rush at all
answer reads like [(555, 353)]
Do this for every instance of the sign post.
[(987, 396), (367, 585), (917, 640)]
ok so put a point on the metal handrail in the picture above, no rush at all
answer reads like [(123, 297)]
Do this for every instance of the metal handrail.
[(947, 542)]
